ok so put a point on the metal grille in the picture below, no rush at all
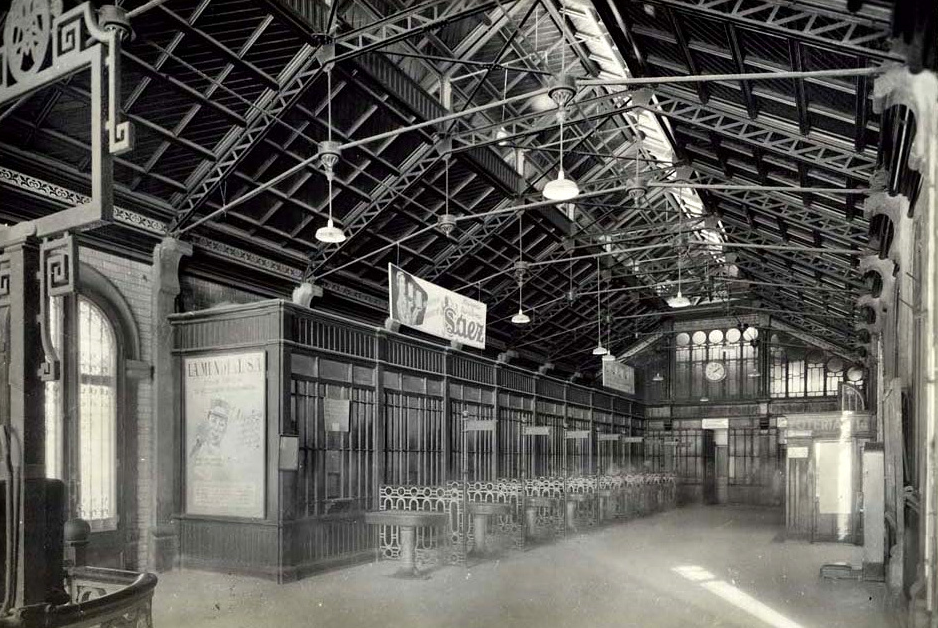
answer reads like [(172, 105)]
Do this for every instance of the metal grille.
[(754, 465), (336, 472), (413, 439)]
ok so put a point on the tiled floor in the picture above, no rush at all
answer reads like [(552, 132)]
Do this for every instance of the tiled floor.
[(698, 566)]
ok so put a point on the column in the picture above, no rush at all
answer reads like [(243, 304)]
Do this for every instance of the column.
[(166, 478), (41, 503)]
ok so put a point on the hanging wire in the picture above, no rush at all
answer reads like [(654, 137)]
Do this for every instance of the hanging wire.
[(599, 322), (329, 173)]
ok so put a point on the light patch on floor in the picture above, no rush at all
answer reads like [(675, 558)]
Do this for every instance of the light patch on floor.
[(701, 566)]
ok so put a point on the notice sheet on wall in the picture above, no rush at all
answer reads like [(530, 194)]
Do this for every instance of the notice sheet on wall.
[(225, 418)]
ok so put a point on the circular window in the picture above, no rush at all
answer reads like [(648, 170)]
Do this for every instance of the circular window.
[(815, 357), (733, 335), (682, 339), (699, 337), (855, 373), (716, 336)]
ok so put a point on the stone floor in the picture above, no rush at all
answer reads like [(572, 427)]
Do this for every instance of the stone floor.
[(696, 566)]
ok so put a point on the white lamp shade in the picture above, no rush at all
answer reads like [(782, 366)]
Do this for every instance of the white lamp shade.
[(520, 318), (561, 189), (657, 377), (678, 301), (330, 234), (600, 350), (501, 135), (609, 358)]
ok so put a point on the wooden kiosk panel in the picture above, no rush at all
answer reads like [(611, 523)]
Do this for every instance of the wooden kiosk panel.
[(332, 410)]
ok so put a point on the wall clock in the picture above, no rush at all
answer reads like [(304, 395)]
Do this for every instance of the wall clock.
[(715, 371)]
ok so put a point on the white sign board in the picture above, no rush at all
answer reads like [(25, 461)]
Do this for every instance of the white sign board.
[(715, 424), (225, 419), (797, 452), (633, 439), (618, 376), (434, 310)]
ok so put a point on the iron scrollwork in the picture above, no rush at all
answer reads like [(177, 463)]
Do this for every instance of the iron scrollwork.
[(28, 62), (58, 272)]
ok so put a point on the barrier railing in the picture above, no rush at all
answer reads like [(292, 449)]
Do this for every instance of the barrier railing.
[(545, 498), (109, 598)]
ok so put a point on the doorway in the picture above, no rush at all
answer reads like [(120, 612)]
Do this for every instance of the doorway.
[(716, 466)]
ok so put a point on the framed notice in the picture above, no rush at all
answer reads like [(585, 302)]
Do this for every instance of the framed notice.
[(225, 421), (434, 310), (618, 376)]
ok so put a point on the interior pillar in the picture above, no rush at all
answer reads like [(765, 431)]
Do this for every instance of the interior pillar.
[(40, 508), (166, 473)]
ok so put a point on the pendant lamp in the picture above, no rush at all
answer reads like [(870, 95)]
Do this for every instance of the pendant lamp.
[(329, 156), (600, 349)]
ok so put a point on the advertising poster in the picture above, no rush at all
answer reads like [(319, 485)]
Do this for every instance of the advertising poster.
[(618, 376), (435, 310), (225, 410)]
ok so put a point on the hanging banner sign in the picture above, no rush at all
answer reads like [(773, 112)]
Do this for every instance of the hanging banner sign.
[(605, 437), (435, 310), (536, 430), (715, 424), (633, 439), (577, 434), (618, 376)]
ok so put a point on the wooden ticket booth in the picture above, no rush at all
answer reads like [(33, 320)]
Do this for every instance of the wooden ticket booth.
[(823, 474)]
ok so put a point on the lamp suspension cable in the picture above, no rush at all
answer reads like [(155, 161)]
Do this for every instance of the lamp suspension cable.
[(330, 174), (328, 158)]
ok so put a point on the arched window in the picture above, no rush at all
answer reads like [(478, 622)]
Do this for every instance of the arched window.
[(93, 458), (97, 377)]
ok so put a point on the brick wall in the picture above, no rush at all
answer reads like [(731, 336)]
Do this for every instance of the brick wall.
[(132, 280)]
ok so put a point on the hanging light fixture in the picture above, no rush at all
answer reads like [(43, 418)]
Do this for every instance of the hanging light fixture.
[(608, 357), (502, 133), (329, 157), (561, 92), (657, 377), (679, 300), (600, 349), (520, 318), (638, 187)]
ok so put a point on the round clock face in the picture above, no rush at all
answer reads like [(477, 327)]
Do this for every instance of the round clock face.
[(733, 335), (855, 373), (835, 365), (715, 371)]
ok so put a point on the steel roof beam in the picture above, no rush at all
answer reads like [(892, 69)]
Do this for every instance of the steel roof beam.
[(866, 33), (221, 49), (859, 166)]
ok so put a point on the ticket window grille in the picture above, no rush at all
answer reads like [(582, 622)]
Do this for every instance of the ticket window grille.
[(94, 455)]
